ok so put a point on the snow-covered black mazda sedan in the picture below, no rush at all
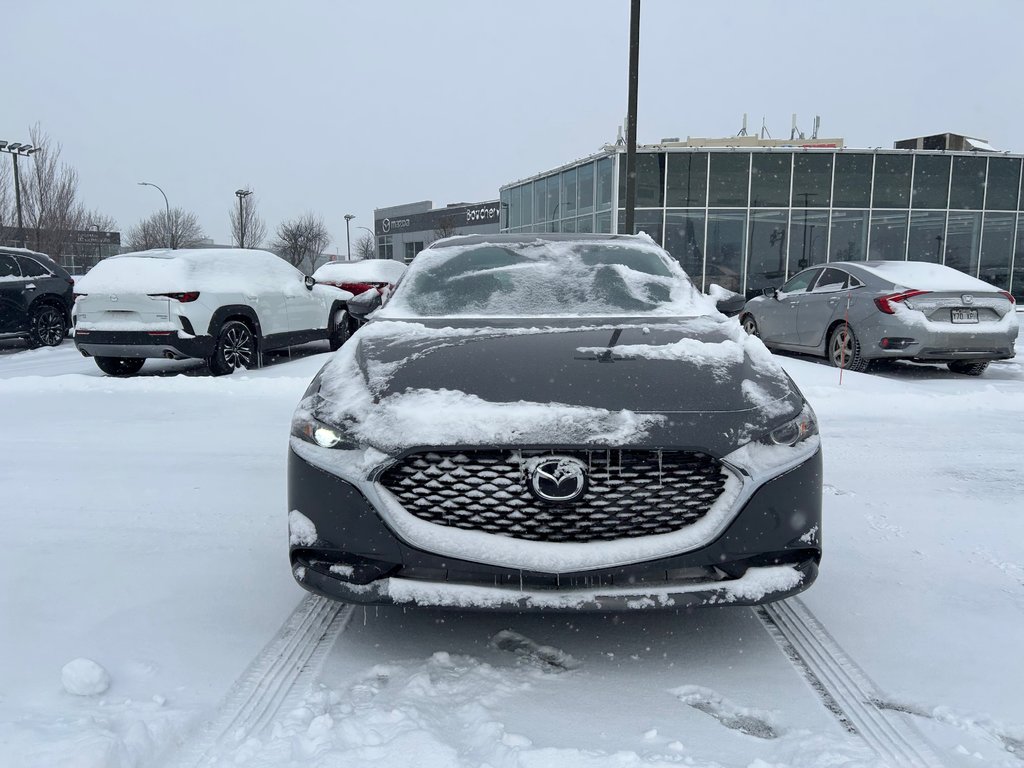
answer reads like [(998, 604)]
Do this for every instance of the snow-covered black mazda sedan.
[(553, 422)]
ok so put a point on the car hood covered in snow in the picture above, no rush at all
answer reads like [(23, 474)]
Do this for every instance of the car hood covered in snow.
[(690, 383)]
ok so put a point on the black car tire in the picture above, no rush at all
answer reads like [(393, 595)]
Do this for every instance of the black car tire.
[(236, 347), (341, 330), (968, 367), (844, 349), (47, 326), (120, 366), (749, 325)]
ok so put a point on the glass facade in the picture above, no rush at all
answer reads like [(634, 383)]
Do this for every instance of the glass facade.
[(750, 218)]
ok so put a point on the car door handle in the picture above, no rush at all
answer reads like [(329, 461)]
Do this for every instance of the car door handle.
[(834, 300), (30, 287)]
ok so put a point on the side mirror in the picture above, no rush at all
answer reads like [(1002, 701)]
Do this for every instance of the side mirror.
[(310, 282), (771, 293), (365, 303), (731, 305)]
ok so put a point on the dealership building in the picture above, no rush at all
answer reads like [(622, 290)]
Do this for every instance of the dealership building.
[(402, 231), (746, 213)]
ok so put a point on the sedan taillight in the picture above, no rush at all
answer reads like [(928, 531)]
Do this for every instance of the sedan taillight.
[(884, 303), (1008, 295), (184, 298)]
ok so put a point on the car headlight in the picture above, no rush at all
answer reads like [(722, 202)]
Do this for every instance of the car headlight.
[(308, 427), (794, 431)]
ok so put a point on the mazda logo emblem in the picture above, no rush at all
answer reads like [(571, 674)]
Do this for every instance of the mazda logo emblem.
[(558, 479)]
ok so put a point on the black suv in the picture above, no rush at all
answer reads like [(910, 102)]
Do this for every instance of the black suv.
[(35, 298)]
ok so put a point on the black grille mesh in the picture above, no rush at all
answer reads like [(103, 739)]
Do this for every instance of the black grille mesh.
[(631, 493)]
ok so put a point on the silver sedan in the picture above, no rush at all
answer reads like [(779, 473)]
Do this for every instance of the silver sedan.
[(854, 313)]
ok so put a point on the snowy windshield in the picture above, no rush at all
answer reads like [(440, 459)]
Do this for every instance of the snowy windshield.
[(546, 279)]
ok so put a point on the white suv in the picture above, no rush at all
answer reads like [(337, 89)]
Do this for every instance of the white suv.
[(224, 305)]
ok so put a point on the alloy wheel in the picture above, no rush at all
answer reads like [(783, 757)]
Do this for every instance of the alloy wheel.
[(238, 348), (48, 327), (842, 348)]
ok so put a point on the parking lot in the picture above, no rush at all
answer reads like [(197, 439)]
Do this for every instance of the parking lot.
[(144, 525)]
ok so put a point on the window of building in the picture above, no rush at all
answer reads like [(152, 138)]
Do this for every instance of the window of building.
[(767, 249), (888, 240), (539, 202), (605, 173), (505, 195), (586, 189), (567, 225), (997, 248), (725, 248), (927, 230), (968, 188), (769, 179), (568, 198), (1017, 276), (687, 174), (729, 179), (647, 221), (848, 239), (892, 181), (812, 179), (551, 212), (1003, 184), (585, 223), (852, 181), (650, 180), (808, 239), (385, 250), (684, 240), (526, 204), (411, 249), (515, 208), (603, 222), (963, 241), (931, 181)]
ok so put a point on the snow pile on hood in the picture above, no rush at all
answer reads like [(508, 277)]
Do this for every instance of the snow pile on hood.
[(922, 276), (547, 279), (365, 271), (235, 270)]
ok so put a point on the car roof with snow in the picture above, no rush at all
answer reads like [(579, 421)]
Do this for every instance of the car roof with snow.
[(189, 269), (364, 271), (918, 275)]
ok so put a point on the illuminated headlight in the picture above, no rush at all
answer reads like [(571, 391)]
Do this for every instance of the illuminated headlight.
[(795, 430), (309, 428)]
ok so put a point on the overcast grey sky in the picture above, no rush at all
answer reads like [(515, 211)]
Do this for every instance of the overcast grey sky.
[(341, 107)]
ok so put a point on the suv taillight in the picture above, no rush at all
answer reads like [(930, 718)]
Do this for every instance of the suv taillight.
[(356, 288), (184, 298), (884, 303)]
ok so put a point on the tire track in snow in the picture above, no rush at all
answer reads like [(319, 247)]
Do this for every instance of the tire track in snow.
[(289, 661), (844, 688)]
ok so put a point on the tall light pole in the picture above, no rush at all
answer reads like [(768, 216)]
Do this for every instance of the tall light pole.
[(15, 150), (634, 68), (373, 238), (170, 229), (348, 238), (241, 194)]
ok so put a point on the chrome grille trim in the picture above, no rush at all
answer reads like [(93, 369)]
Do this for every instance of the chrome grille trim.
[(632, 493)]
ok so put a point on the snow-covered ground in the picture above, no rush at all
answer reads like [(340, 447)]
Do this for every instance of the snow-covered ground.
[(144, 528)]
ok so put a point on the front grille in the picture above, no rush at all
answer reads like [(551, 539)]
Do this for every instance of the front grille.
[(630, 494)]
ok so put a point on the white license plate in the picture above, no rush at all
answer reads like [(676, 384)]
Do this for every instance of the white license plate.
[(964, 315)]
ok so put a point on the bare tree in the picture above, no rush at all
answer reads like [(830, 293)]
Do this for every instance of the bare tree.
[(50, 206), (248, 231), (446, 227), (366, 247), (181, 230), (302, 241), (7, 215)]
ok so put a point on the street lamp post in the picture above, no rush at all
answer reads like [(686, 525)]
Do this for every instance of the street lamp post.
[(241, 194), (348, 237), (170, 229), (16, 149)]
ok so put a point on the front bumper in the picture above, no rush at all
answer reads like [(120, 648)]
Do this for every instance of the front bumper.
[(143, 344), (342, 549)]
